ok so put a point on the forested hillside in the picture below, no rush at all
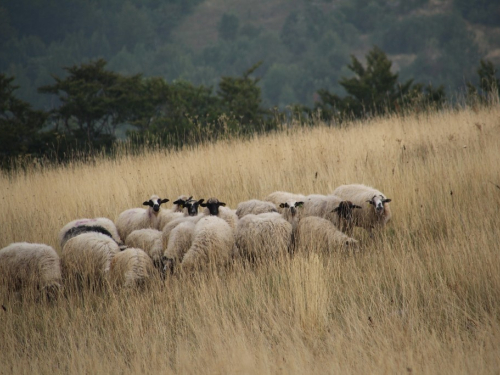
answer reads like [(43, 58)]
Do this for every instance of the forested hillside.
[(304, 46)]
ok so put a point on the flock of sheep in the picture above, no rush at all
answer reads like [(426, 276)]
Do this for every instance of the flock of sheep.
[(146, 242)]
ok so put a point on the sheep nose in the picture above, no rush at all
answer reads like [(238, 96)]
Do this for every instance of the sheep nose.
[(156, 208)]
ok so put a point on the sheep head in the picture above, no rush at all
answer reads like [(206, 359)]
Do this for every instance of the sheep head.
[(378, 202), (155, 202), (213, 205), (345, 210), (292, 205), (192, 206)]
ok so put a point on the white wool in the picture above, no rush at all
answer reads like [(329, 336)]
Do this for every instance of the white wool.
[(263, 236), (31, 265), (131, 267), (212, 245)]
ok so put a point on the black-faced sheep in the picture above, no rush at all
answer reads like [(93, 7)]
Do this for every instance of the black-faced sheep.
[(262, 237), (30, 267), (212, 246), (254, 206), (178, 210), (375, 210), (330, 207), (190, 214), (99, 225), (217, 208), (131, 267), (140, 218), (86, 258)]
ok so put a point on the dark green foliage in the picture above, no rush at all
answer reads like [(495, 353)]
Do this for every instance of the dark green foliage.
[(374, 89), (94, 102), (241, 100), (489, 83), (19, 124)]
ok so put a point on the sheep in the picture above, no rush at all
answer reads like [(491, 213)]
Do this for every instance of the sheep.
[(130, 268), (290, 210), (316, 233), (150, 241), (86, 259), (254, 206), (330, 207), (179, 242), (178, 210), (190, 214), (279, 197), (212, 246), (139, 218), (375, 210), (30, 267), (100, 225), (217, 208), (264, 236)]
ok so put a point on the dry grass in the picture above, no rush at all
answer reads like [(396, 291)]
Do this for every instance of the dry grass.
[(423, 297)]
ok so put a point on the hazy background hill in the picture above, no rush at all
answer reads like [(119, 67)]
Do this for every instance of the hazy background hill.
[(304, 45)]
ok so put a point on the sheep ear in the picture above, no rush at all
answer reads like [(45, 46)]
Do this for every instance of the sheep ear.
[(222, 204), (147, 203), (336, 209), (201, 201), (164, 200), (299, 204), (386, 200), (284, 205), (179, 201), (371, 202)]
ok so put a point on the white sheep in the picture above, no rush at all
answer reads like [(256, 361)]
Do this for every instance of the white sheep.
[(178, 210), (217, 208), (30, 267), (179, 242), (190, 214), (140, 218), (212, 246), (279, 197), (314, 233), (150, 241), (86, 259), (330, 207), (375, 210), (100, 225), (254, 206), (262, 237), (131, 267)]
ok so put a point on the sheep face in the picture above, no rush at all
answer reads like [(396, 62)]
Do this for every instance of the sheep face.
[(213, 205), (181, 202), (292, 205), (345, 210), (192, 206), (155, 203), (378, 202)]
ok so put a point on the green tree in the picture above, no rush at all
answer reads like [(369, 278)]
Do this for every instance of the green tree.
[(19, 123), (241, 100), (374, 89), (94, 101), (489, 83)]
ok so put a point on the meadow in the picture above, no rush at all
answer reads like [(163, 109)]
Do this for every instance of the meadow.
[(422, 296)]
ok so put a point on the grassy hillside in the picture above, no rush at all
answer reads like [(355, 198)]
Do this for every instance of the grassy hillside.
[(421, 297)]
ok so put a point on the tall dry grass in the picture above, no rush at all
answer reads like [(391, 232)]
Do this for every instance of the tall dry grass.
[(422, 297)]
